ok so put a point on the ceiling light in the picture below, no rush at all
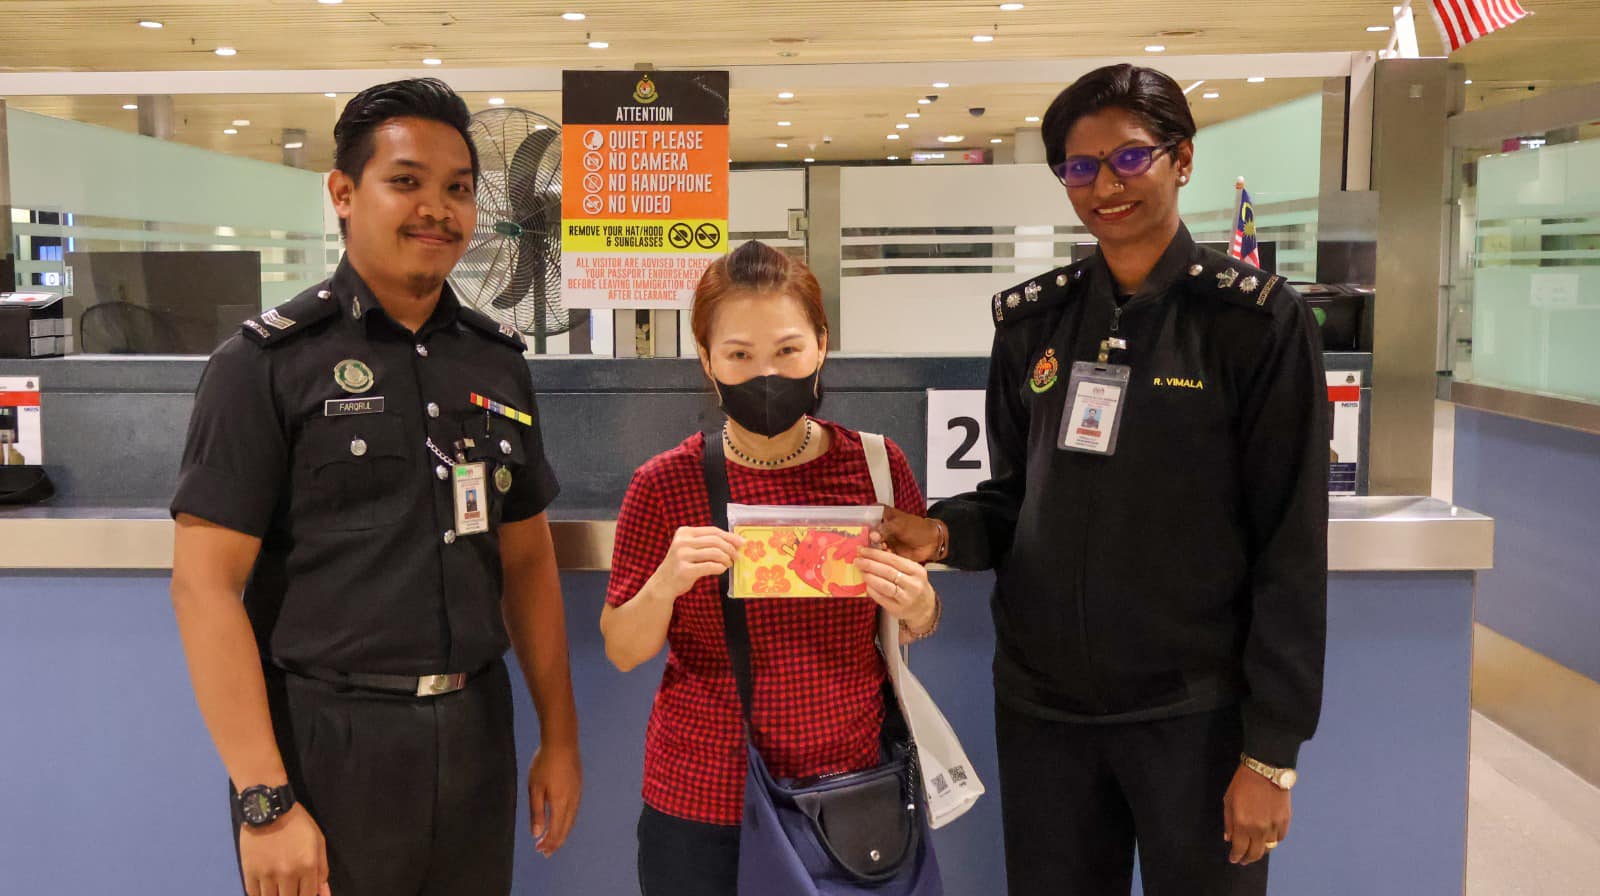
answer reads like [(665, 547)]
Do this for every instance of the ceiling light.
[(894, 158), (1031, 119), (1468, 81), (891, 136), (982, 38), (297, 144), (229, 131), (149, 23), (241, 122), (598, 45), (810, 159), (924, 102), (1210, 95), (330, 95), (913, 114), (130, 107), (902, 126), (784, 124), (786, 95), (330, 2), (432, 61), (951, 138), (1155, 48), (226, 51), (497, 101), (1010, 7), (940, 85), (1377, 28), (574, 16), (1190, 89), (1256, 80), (783, 146), (996, 140)]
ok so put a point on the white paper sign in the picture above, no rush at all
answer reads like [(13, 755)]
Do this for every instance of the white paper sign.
[(20, 441), (958, 442)]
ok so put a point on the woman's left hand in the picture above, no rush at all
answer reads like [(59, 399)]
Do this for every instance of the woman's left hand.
[(900, 586)]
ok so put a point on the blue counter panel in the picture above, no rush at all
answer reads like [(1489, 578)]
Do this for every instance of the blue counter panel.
[(112, 785)]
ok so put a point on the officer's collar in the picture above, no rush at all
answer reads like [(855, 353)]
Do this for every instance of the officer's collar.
[(360, 304), (1170, 267)]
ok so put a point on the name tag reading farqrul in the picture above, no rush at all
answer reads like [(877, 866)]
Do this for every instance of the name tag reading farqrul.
[(344, 407)]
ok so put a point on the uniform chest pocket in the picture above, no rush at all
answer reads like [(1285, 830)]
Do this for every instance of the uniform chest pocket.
[(352, 472), (498, 445)]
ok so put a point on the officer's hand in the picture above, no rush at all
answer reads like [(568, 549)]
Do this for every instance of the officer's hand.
[(555, 784), (912, 537), (285, 858), (899, 586), (696, 552), (1255, 813)]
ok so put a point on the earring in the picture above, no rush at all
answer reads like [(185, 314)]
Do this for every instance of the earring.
[(1183, 179)]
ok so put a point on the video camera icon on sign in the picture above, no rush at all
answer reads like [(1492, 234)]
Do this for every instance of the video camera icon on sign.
[(592, 204)]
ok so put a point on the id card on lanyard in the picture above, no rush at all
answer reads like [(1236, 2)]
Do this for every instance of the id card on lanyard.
[(1092, 416)]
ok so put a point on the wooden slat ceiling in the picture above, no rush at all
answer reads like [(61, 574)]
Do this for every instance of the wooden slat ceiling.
[(1554, 48)]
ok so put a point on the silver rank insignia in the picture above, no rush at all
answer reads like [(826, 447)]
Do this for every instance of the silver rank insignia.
[(1195, 269), (273, 319), (1249, 284), (1226, 278), (1031, 291), (259, 329), (509, 331), (1013, 299), (998, 313), (355, 307)]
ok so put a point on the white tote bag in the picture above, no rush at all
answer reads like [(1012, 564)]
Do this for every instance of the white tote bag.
[(951, 782)]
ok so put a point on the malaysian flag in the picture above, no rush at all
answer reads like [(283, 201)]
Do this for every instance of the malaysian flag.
[(1243, 246), (1464, 21)]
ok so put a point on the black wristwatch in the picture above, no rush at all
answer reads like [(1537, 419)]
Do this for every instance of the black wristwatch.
[(262, 805)]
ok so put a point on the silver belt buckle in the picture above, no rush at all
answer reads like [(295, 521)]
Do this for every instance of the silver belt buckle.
[(434, 685)]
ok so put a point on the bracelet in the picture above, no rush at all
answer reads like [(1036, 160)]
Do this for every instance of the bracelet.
[(911, 637), (943, 550)]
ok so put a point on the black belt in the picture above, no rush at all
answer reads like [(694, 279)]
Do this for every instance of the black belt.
[(413, 685)]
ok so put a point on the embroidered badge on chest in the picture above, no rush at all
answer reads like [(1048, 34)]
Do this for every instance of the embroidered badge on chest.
[(353, 376), (1045, 372)]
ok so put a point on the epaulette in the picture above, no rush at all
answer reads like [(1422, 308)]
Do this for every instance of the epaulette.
[(1044, 291), (495, 329), (1233, 281), (276, 325)]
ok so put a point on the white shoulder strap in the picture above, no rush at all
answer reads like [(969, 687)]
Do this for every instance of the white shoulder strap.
[(878, 466)]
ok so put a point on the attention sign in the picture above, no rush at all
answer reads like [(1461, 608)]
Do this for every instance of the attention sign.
[(644, 186)]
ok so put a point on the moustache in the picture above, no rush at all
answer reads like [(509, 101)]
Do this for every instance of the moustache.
[(442, 233)]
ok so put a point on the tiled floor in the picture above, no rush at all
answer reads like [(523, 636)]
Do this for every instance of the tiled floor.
[(1533, 827)]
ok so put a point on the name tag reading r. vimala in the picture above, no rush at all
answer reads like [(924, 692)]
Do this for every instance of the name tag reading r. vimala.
[(344, 407)]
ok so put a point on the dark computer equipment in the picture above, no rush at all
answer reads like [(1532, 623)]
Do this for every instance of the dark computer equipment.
[(161, 302)]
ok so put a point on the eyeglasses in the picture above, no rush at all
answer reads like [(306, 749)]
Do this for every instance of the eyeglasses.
[(1129, 161)]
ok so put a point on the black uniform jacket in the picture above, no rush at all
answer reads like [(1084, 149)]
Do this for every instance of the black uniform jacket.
[(311, 429), (1187, 571)]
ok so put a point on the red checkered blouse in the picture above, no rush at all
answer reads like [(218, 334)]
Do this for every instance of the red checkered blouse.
[(817, 673)]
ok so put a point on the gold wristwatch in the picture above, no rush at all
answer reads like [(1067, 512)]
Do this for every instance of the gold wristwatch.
[(1283, 778)]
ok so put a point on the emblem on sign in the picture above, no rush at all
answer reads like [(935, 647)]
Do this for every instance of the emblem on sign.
[(353, 376), (645, 91), (1045, 372)]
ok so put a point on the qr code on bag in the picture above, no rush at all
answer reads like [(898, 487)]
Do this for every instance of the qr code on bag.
[(940, 784), (958, 774)]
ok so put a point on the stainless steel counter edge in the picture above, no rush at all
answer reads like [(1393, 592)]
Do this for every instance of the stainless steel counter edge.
[(1377, 534)]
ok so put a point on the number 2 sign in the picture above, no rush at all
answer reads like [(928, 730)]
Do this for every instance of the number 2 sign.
[(958, 446)]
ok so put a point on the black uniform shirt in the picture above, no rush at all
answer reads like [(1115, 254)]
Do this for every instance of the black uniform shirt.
[(310, 431), (1188, 570)]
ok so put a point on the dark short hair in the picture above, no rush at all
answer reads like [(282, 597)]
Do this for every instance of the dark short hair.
[(1154, 97), (426, 98), (754, 267)]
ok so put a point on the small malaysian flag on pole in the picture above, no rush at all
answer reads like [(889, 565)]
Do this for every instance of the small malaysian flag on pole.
[(1243, 245), (1464, 21)]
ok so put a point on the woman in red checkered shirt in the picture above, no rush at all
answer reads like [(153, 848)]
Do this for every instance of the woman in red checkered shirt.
[(818, 676)]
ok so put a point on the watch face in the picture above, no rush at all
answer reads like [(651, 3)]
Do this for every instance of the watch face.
[(255, 804), (1287, 779)]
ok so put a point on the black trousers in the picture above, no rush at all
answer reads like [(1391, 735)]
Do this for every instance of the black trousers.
[(415, 796), (1076, 799), (678, 857)]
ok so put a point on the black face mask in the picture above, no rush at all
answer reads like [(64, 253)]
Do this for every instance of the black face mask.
[(769, 405)]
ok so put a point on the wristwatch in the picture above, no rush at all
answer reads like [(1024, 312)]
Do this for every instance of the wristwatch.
[(262, 805), (1284, 778)]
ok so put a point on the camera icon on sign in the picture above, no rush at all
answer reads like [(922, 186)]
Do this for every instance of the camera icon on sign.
[(593, 162)]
